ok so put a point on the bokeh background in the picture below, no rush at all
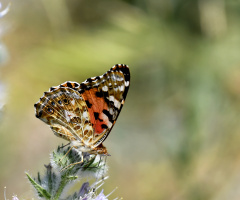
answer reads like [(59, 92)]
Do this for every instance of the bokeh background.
[(178, 135)]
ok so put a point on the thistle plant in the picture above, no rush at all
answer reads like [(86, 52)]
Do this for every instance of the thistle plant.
[(65, 169)]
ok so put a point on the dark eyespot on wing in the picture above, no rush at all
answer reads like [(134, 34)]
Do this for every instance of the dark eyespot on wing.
[(89, 80), (38, 115), (96, 115), (76, 84), (83, 86), (89, 105), (104, 126), (66, 102), (49, 110), (69, 84), (106, 112), (99, 94)]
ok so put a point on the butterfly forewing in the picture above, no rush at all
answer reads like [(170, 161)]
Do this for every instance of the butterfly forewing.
[(105, 97)]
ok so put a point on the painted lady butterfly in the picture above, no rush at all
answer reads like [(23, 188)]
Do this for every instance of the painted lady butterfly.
[(85, 113)]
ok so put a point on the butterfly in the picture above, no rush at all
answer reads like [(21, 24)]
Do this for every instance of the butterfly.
[(85, 113)]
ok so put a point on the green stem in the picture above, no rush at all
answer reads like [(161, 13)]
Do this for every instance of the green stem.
[(62, 184)]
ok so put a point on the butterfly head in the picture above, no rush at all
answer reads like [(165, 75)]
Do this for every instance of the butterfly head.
[(101, 150)]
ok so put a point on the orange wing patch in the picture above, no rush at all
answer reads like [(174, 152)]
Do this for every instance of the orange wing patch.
[(96, 105)]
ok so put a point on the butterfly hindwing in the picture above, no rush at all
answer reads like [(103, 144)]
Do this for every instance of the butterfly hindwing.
[(65, 111)]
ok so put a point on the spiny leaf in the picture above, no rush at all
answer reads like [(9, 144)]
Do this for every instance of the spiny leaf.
[(90, 164), (39, 178), (41, 191)]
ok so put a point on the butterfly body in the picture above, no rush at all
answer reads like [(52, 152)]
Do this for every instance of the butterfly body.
[(85, 113)]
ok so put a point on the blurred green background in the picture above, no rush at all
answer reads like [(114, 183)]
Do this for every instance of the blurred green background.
[(178, 135)]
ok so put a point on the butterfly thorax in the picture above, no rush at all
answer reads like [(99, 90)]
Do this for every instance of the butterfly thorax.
[(99, 150)]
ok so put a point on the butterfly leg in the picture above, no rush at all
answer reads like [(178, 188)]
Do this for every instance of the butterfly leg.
[(65, 145), (73, 163), (66, 153)]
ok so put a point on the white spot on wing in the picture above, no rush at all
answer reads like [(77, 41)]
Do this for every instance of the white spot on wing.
[(117, 104), (111, 98), (75, 96), (73, 102), (111, 111), (121, 88), (119, 78), (69, 115), (105, 88), (88, 127), (85, 115)]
